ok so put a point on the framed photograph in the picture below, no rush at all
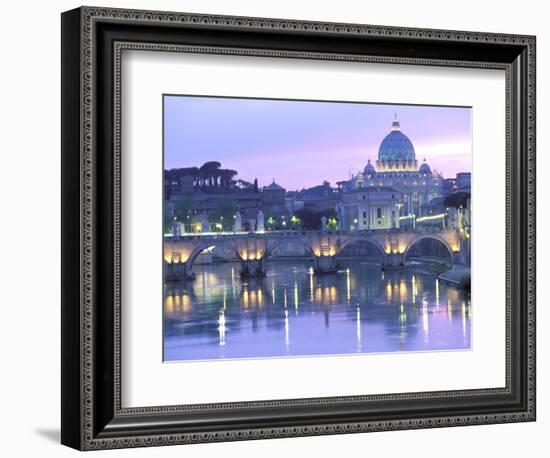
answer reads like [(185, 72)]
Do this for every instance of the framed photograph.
[(276, 228)]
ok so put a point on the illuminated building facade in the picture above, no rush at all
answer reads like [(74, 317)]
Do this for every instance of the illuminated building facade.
[(369, 208), (404, 188)]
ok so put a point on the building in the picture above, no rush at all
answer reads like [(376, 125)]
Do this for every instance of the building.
[(294, 201), (369, 208), (273, 200), (463, 181), (321, 198), (404, 187)]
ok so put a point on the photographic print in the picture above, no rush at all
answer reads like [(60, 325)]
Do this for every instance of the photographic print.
[(296, 228)]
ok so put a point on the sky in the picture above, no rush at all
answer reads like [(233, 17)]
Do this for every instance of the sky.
[(302, 143)]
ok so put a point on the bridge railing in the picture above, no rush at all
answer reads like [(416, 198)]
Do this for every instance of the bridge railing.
[(291, 232)]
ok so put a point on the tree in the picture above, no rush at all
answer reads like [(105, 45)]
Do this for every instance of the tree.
[(457, 199), (208, 173), (295, 222), (184, 210), (222, 215), (256, 190), (226, 177), (311, 219), (209, 167)]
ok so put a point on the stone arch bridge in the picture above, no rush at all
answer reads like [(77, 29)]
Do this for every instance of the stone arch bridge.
[(254, 249)]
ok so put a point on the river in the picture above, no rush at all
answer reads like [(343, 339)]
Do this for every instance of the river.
[(294, 312)]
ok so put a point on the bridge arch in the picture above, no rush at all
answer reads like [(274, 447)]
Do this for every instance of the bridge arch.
[(198, 250), (271, 249), (437, 238), (373, 242)]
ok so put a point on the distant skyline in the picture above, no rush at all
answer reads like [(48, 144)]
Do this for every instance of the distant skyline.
[(302, 143)]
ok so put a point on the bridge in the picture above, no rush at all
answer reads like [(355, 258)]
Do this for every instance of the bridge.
[(253, 249)]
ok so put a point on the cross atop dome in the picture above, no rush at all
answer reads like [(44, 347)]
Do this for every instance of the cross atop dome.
[(395, 124)]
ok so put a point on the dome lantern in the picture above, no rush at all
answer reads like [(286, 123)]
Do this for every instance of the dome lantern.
[(395, 124)]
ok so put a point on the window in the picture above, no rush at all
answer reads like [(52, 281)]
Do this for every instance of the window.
[(379, 213), (364, 214)]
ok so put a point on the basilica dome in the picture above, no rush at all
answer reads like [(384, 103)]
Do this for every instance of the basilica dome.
[(396, 146)]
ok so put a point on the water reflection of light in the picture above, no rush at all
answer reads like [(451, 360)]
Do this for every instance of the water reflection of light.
[(402, 327), (285, 299), (348, 286), (224, 299), (318, 295), (425, 322), (327, 295), (453, 295), (449, 309), (221, 327), (252, 298), (358, 329), (388, 293), (186, 302), (402, 314), (296, 296), (437, 293), (333, 295), (464, 319), (273, 292), (311, 294), (233, 284), (169, 303), (414, 289), (403, 290), (287, 330)]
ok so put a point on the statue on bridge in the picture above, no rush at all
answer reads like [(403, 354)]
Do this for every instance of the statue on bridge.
[(260, 222), (238, 223), (323, 223), (178, 228)]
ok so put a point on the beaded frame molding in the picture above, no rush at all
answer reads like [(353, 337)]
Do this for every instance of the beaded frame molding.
[(92, 42)]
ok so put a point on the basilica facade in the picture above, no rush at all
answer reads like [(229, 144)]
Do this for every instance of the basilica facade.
[(393, 192)]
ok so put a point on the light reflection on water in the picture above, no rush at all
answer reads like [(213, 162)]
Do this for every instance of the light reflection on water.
[(294, 312)]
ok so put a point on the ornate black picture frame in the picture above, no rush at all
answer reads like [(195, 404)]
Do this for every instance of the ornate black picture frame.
[(92, 41)]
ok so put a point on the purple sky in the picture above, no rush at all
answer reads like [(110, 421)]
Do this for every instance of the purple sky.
[(300, 144)]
